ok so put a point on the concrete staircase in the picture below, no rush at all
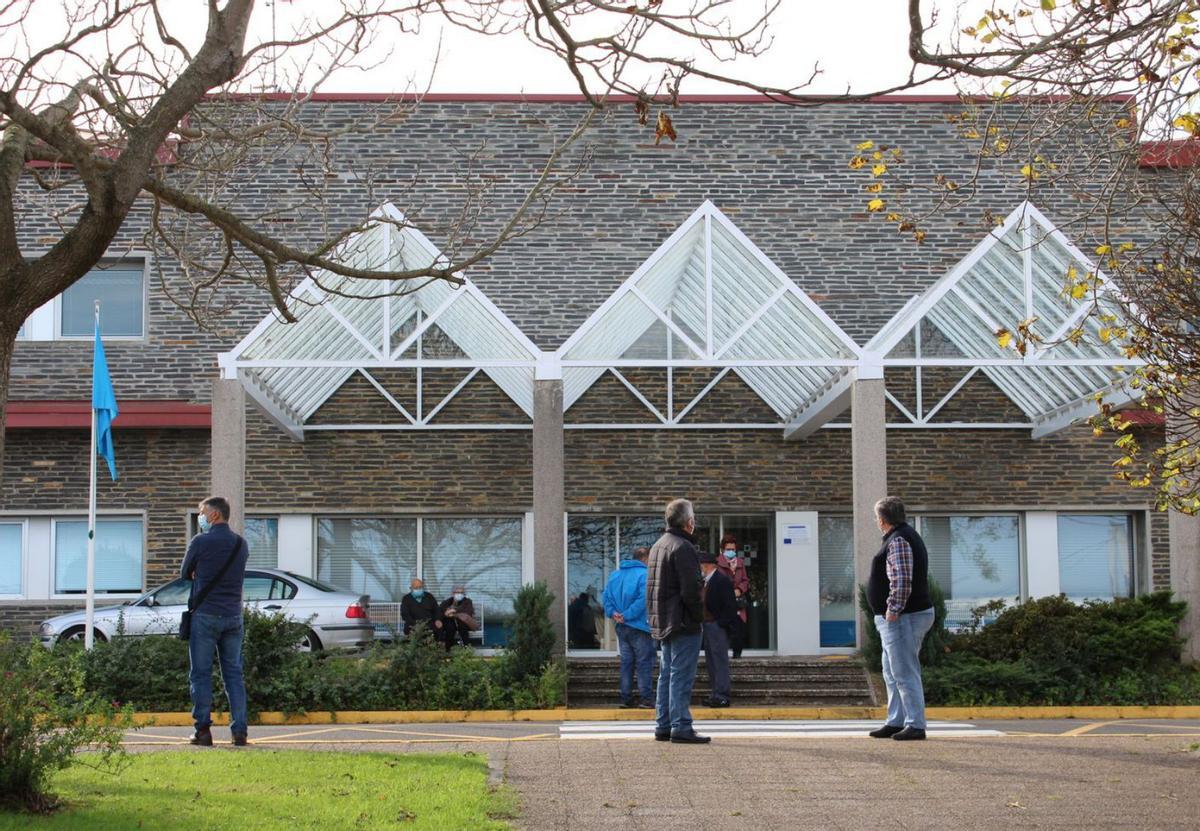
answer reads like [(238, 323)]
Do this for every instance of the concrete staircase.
[(770, 681)]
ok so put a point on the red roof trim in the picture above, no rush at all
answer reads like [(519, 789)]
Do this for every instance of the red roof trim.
[(1170, 154), (576, 98), (132, 414), (1144, 418)]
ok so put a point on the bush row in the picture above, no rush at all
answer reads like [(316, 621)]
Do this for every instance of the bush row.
[(151, 674), (1055, 651)]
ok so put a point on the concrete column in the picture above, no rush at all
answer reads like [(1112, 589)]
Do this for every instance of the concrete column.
[(229, 449), (868, 450), (549, 533), (1185, 579)]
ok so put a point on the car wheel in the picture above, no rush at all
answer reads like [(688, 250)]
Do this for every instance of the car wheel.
[(76, 634), (310, 642)]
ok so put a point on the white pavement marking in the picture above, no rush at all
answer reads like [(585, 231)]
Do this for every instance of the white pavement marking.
[(760, 729)]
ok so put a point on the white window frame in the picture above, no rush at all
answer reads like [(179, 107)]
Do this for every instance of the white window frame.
[(129, 257), (1139, 530), (24, 556), (915, 518), (45, 323), (54, 593)]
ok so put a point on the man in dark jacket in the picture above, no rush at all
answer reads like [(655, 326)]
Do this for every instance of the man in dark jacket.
[(458, 617), (216, 564), (419, 606), (898, 591), (720, 622), (675, 614)]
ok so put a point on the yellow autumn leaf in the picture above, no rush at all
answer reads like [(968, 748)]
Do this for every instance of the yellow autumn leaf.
[(857, 163), (1184, 17), (1105, 334), (876, 205), (1123, 123), (1103, 249), (1029, 172), (893, 217), (919, 236), (879, 170), (874, 187), (1003, 338), (1078, 291), (864, 145), (1125, 246), (1048, 5)]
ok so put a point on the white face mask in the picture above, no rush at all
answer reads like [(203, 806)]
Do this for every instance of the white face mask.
[(202, 521), (458, 596)]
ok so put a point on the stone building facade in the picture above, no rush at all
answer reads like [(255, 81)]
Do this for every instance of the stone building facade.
[(463, 470)]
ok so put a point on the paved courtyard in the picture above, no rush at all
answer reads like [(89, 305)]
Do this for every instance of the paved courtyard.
[(978, 775)]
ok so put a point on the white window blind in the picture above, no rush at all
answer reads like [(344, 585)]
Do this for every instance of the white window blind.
[(1095, 556), (118, 556), (835, 566), (262, 537), (118, 287), (974, 559), (367, 555), (483, 554), (11, 534)]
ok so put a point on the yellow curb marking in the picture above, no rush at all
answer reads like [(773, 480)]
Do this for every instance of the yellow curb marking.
[(298, 733), (1087, 728), (422, 733)]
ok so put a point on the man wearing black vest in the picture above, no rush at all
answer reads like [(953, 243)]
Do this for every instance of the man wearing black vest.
[(898, 591)]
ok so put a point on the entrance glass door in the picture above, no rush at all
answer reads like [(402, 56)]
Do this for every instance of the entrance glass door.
[(753, 535)]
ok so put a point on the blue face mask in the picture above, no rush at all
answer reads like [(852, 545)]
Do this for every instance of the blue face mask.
[(458, 596), (730, 554), (203, 522), (418, 594)]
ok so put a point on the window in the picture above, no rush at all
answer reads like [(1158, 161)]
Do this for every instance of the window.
[(12, 536), (835, 536), (1095, 556), (119, 286), (262, 537), (974, 559), (175, 593), (484, 555), (368, 555), (119, 548), (591, 541)]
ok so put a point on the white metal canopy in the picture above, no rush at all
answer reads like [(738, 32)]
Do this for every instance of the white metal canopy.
[(1017, 273), (709, 298), (291, 369)]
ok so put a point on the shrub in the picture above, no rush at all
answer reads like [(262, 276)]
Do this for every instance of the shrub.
[(46, 715), (531, 644), (1054, 651)]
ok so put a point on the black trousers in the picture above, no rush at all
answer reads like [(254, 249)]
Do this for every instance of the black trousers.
[(454, 631)]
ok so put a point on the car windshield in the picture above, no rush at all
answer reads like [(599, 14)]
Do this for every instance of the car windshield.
[(308, 581)]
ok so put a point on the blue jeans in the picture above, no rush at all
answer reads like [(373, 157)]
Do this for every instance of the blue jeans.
[(637, 652), (222, 634), (676, 675), (902, 667)]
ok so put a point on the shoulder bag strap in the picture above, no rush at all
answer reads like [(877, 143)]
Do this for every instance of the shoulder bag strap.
[(237, 546)]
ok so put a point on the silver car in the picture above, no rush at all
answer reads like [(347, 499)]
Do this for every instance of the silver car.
[(336, 619)]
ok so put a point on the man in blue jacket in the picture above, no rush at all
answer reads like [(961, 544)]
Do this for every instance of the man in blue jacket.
[(625, 603)]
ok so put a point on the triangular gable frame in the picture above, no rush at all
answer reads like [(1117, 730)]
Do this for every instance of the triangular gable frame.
[(305, 383), (839, 358), (1022, 379)]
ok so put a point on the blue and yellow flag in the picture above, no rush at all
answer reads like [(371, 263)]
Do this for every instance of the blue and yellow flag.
[(104, 402)]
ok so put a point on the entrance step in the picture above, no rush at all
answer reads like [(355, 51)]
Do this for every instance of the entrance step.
[(783, 681)]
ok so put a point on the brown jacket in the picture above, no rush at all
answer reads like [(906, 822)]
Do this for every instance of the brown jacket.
[(673, 586)]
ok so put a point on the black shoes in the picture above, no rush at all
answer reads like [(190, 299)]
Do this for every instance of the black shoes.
[(645, 705), (910, 734), (688, 738), (240, 740), (716, 702), (661, 737), (202, 738), (885, 732), (625, 705)]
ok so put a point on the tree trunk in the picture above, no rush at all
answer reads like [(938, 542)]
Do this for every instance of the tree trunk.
[(8, 340)]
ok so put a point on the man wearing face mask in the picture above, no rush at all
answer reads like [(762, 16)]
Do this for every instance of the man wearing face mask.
[(419, 606), (216, 564), (458, 618), (734, 567)]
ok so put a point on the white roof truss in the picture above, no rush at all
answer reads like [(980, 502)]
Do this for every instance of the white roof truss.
[(1016, 273), (347, 327), (710, 298)]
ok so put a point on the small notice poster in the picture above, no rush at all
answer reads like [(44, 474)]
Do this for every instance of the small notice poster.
[(796, 534)]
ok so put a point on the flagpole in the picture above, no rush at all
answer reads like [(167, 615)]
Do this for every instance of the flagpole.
[(90, 614)]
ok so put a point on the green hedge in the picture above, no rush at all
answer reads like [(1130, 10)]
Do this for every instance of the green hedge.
[(1054, 651), (416, 673)]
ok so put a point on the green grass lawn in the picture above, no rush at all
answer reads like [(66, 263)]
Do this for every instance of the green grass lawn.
[(267, 789)]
